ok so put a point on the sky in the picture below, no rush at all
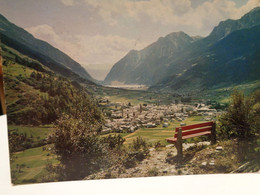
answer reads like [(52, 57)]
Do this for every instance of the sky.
[(104, 31)]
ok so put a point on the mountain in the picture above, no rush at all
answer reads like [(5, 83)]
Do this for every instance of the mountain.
[(231, 61), (24, 42), (229, 52), (146, 66), (226, 27), (227, 56)]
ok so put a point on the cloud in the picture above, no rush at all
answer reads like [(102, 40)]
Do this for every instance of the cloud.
[(68, 2), (120, 21), (44, 32), (47, 33), (178, 13), (106, 49), (88, 49)]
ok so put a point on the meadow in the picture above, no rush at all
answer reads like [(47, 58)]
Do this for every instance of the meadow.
[(28, 166), (159, 133), (37, 133)]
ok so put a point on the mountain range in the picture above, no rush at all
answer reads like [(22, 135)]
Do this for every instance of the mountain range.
[(229, 55), (59, 62)]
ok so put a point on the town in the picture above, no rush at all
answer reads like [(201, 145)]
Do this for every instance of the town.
[(127, 118)]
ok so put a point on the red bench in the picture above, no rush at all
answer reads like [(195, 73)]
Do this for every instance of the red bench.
[(186, 132)]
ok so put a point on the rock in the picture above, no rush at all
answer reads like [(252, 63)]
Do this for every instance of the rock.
[(136, 170), (204, 163), (219, 148), (170, 145), (212, 163), (205, 143), (187, 145)]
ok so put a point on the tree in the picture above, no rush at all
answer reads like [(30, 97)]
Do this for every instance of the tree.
[(76, 142), (78, 150)]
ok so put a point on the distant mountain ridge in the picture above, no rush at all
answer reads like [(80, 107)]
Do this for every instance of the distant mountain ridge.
[(141, 66), (232, 61), (226, 27), (25, 43), (199, 64)]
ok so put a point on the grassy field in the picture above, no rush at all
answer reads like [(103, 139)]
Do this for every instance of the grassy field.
[(159, 133), (222, 94), (36, 132), (125, 100), (28, 166), (134, 96)]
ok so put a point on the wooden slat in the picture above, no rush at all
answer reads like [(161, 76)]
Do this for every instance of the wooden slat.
[(194, 126), (184, 133), (196, 135), (171, 139)]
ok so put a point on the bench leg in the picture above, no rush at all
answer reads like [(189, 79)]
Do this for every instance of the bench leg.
[(179, 144), (213, 134)]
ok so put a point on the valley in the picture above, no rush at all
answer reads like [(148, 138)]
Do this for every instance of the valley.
[(63, 124)]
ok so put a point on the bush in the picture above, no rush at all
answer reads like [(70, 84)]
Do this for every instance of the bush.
[(158, 145), (242, 117), (76, 143), (153, 172), (242, 121), (114, 141), (138, 150)]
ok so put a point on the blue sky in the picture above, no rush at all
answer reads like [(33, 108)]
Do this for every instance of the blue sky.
[(103, 31)]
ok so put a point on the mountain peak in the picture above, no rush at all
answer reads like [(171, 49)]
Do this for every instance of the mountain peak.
[(175, 35), (179, 33)]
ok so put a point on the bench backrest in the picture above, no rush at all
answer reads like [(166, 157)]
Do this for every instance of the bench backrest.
[(193, 129)]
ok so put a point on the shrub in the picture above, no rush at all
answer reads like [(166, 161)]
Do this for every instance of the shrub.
[(129, 160), (153, 172), (158, 145), (242, 117), (114, 141), (138, 150), (242, 121), (77, 145)]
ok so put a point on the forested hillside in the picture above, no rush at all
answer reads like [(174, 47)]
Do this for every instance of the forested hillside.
[(36, 95)]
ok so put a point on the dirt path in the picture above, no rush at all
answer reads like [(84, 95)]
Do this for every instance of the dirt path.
[(129, 135), (154, 165)]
